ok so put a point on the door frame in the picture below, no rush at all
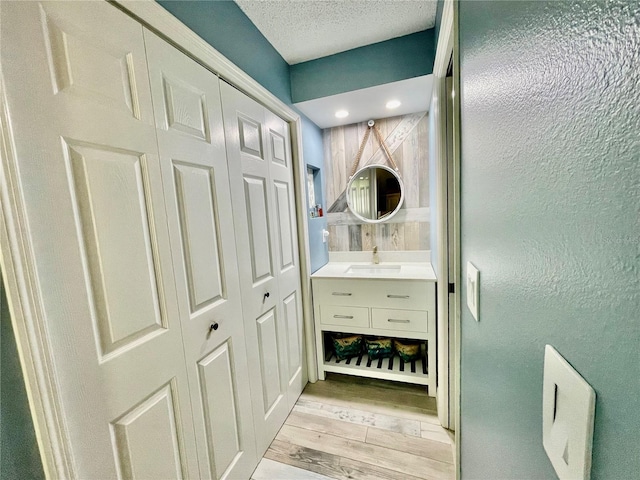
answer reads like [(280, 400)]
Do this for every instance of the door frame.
[(27, 316), (16, 255), (448, 225)]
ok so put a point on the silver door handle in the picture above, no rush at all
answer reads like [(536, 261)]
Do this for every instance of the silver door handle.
[(341, 294), (343, 316), (398, 320), (397, 296)]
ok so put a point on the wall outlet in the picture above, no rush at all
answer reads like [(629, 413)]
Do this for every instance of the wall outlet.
[(473, 290), (568, 410)]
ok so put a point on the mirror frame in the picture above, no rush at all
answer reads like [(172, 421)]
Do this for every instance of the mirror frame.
[(378, 220)]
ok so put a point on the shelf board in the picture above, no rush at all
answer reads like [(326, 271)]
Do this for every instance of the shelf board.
[(375, 331), (393, 368)]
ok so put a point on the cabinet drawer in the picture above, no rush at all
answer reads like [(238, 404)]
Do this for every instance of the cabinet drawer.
[(341, 292), (399, 320), (392, 294), (402, 295), (346, 316)]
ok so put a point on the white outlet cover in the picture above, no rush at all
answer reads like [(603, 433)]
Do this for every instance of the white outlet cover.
[(568, 411), (473, 290)]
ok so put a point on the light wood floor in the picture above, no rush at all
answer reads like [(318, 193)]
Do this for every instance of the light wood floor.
[(356, 428)]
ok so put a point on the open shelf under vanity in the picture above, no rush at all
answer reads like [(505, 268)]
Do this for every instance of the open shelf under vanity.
[(393, 368)]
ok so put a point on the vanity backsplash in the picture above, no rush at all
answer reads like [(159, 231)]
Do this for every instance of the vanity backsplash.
[(407, 137)]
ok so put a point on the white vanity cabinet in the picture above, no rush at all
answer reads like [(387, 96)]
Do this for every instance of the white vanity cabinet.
[(376, 304)]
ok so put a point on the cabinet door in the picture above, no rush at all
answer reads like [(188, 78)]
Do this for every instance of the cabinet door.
[(86, 171), (257, 143), (186, 100)]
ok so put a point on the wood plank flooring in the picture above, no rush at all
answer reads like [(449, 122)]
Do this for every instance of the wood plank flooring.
[(360, 429)]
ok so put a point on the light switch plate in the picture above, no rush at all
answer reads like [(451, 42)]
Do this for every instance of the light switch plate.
[(568, 410), (473, 290)]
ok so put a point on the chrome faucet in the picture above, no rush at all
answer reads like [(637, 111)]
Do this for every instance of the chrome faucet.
[(376, 258)]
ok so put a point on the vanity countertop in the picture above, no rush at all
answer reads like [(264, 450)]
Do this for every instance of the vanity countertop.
[(383, 270)]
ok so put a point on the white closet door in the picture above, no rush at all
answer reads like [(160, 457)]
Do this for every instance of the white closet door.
[(287, 267), (87, 168), (258, 148), (188, 113)]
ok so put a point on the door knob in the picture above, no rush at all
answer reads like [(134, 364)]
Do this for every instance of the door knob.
[(213, 326), (266, 295)]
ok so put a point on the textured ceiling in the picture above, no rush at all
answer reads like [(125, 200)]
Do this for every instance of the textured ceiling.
[(302, 30)]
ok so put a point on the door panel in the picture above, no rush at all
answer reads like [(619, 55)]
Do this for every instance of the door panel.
[(285, 232), (255, 194), (219, 391), (142, 456), (250, 136), (87, 66), (196, 182), (278, 148), (87, 165), (258, 146), (293, 323), (269, 362), (196, 191), (185, 108), (113, 223)]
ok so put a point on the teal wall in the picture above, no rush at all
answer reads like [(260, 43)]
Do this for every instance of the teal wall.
[(436, 28), (225, 27), (550, 185), (313, 155), (19, 454), (384, 62)]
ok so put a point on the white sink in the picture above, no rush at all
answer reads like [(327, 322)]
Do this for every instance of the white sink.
[(374, 269)]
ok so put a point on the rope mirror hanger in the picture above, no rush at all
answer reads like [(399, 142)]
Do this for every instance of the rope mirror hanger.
[(372, 126)]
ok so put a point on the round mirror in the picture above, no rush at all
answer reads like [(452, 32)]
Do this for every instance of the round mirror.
[(375, 193)]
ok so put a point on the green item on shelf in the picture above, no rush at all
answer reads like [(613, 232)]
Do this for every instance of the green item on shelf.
[(346, 347), (379, 347), (408, 350)]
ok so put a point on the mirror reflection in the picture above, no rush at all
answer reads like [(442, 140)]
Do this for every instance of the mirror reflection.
[(375, 193)]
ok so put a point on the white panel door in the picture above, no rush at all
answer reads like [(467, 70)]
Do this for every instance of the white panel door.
[(278, 146), (258, 149), (186, 99), (86, 163)]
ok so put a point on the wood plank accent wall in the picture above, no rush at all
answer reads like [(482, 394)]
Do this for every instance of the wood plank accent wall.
[(408, 139)]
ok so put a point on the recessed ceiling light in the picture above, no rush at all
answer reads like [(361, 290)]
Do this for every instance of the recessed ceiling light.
[(393, 104), (342, 114)]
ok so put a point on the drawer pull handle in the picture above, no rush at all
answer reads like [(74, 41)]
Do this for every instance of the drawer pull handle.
[(343, 316), (398, 320), (341, 294), (397, 296)]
